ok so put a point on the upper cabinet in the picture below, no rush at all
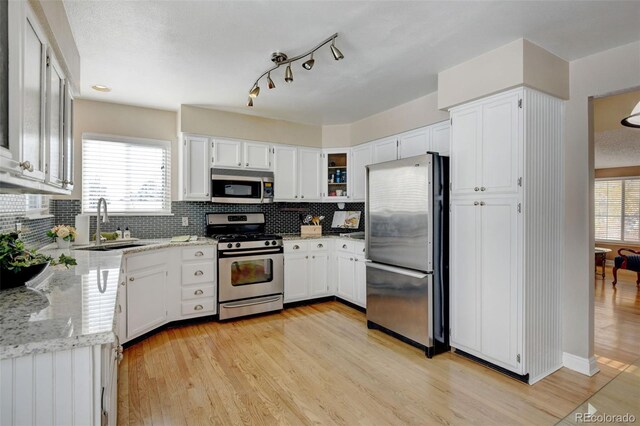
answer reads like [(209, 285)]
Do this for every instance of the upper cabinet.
[(237, 154), (39, 158), (486, 140), (385, 150), (196, 177), (309, 160), (285, 173), (361, 156), (415, 142), (257, 156), (440, 138), (336, 175), (227, 153)]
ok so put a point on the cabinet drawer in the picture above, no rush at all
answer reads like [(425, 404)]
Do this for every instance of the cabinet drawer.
[(201, 306), (195, 273), (358, 248), (198, 253), (295, 246), (319, 245), (148, 260), (198, 291), (345, 246)]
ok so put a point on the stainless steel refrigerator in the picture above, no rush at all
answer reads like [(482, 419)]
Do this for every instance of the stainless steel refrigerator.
[(407, 236)]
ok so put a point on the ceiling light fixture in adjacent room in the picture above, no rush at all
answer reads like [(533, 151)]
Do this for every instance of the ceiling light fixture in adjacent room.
[(101, 88), (279, 58), (633, 120)]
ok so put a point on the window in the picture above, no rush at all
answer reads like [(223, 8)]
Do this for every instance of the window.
[(617, 209), (133, 175)]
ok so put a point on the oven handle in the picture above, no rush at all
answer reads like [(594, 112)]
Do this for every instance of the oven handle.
[(239, 253), (257, 302)]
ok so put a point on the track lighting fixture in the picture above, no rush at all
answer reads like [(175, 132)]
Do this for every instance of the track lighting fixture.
[(309, 64), (633, 120), (279, 58)]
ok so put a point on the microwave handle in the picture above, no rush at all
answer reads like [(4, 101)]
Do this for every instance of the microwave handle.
[(261, 190)]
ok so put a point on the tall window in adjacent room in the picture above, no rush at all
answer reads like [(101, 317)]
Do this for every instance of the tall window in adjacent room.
[(133, 175), (617, 209)]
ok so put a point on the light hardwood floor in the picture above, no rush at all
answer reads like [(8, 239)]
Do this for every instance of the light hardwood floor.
[(319, 364)]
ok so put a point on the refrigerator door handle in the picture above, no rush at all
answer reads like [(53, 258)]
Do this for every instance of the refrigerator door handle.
[(401, 271)]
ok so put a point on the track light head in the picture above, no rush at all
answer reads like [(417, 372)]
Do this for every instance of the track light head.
[(288, 75), (250, 102), (255, 90), (270, 83), (337, 54), (633, 120), (309, 64)]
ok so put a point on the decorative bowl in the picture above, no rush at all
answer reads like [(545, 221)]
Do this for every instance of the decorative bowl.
[(11, 279)]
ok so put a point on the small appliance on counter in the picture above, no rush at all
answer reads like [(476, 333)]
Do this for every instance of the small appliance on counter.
[(346, 219)]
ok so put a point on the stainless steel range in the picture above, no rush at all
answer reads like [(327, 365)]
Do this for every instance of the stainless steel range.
[(250, 264)]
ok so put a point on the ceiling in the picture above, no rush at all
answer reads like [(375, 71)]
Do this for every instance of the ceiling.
[(615, 144), (165, 53)]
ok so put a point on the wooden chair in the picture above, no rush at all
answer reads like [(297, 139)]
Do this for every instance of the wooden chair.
[(629, 262)]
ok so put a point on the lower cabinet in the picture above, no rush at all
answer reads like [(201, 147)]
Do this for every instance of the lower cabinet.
[(296, 277), (352, 278), (306, 270), (146, 304), (73, 386)]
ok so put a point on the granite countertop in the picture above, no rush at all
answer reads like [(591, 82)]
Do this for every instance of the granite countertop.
[(316, 237), (66, 308)]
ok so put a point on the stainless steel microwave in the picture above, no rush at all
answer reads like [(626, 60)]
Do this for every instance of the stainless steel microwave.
[(241, 186)]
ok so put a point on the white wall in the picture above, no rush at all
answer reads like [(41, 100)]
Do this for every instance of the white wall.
[(596, 75)]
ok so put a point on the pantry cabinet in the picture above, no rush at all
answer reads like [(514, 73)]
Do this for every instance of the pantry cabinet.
[(505, 203), (486, 144)]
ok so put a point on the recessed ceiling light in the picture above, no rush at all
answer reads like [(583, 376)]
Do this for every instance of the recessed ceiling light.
[(101, 88)]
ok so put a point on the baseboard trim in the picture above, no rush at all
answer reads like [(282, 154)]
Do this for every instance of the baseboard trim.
[(586, 366)]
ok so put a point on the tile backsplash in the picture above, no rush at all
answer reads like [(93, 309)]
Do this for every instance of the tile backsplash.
[(13, 209), (279, 219)]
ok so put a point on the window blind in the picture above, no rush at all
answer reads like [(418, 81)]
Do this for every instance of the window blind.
[(617, 210), (132, 175)]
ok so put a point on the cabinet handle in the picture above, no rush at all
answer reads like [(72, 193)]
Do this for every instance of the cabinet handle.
[(295, 196), (302, 196), (123, 283), (240, 164), (198, 292), (476, 189), (131, 279), (363, 250), (26, 165), (482, 203), (198, 273), (306, 257), (356, 259), (344, 246), (313, 257), (119, 309), (296, 247), (475, 203), (320, 246), (198, 254), (351, 258), (247, 165), (483, 189), (198, 308)]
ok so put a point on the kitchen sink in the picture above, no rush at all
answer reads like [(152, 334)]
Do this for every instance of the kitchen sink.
[(109, 247)]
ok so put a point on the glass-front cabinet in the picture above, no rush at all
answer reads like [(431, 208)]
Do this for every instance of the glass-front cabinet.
[(336, 163)]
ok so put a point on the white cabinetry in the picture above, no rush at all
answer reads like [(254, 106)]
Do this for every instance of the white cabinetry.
[(39, 157), (440, 138), (306, 269), (296, 276), (235, 154), (309, 172), (336, 175), (198, 278), (385, 150), (196, 173), (227, 153), (285, 173), (361, 156), (415, 142), (351, 272), (257, 156), (486, 143), (505, 202)]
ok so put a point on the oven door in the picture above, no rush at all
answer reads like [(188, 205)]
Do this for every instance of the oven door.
[(236, 189), (250, 274)]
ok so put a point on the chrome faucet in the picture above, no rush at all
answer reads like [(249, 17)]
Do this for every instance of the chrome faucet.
[(105, 219)]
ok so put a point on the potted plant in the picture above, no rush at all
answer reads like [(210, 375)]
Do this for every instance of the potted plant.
[(19, 265), (63, 235)]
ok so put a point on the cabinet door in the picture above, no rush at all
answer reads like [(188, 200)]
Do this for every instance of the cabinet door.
[(466, 137), (196, 173), (336, 173), (227, 153), (309, 173), (54, 128), (416, 142), (501, 143), (385, 150), (68, 139), (257, 156), (500, 293), (465, 288), (30, 153), (295, 277), (360, 281), (146, 304), (345, 276), (440, 138), (285, 173), (361, 156), (318, 273)]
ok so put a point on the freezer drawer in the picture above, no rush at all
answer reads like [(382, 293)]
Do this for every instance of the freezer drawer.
[(400, 300)]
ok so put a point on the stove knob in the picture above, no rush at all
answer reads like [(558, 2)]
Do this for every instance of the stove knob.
[(237, 244), (229, 245), (266, 243), (273, 243)]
